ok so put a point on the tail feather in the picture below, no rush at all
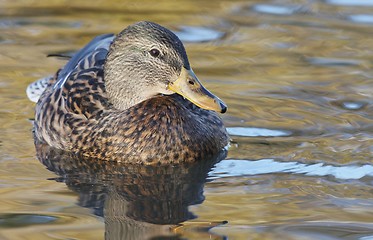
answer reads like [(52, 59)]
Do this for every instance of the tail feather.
[(35, 89)]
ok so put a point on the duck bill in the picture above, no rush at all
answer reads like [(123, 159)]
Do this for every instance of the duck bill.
[(188, 86)]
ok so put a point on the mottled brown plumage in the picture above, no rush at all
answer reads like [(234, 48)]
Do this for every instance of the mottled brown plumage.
[(115, 100)]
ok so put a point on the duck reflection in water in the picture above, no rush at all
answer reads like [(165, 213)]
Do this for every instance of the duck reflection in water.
[(136, 201)]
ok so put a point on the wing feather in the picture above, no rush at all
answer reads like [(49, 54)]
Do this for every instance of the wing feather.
[(35, 89), (98, 48), (102, 41)]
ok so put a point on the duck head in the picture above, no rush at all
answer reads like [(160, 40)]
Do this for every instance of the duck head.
[(146, 60)]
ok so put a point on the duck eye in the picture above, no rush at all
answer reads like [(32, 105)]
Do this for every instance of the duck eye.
[(154, 52)]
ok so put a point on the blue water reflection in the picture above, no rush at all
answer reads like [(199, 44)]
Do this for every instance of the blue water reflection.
[(234, 168), (275, 9), (198, 34), (351, 2), (362, 18), (257, 132)]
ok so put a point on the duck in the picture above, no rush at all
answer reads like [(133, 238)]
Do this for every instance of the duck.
[(131, 98)]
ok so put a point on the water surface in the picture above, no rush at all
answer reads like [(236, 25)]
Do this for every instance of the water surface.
[(297, 77)]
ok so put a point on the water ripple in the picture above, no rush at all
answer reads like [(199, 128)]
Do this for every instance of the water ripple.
[(198, 34), (361, 18), (350, 2), (333, 61), (275, 9), (234, 168), (353, 105), (15, 23), (257, 132), (18, 219)]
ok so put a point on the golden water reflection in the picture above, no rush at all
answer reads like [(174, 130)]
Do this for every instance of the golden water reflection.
[(299, 67)]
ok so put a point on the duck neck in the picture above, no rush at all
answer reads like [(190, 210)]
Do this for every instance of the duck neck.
[(121, 83), (123, 94)]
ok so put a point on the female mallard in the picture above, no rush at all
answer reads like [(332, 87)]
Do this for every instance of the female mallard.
[(115, 100)]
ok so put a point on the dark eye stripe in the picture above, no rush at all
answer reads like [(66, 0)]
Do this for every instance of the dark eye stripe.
[(154, 52)]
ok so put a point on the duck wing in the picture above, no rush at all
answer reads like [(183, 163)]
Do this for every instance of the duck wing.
[(99, 44)]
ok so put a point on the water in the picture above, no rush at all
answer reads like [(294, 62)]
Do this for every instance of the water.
[(297, 77)]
